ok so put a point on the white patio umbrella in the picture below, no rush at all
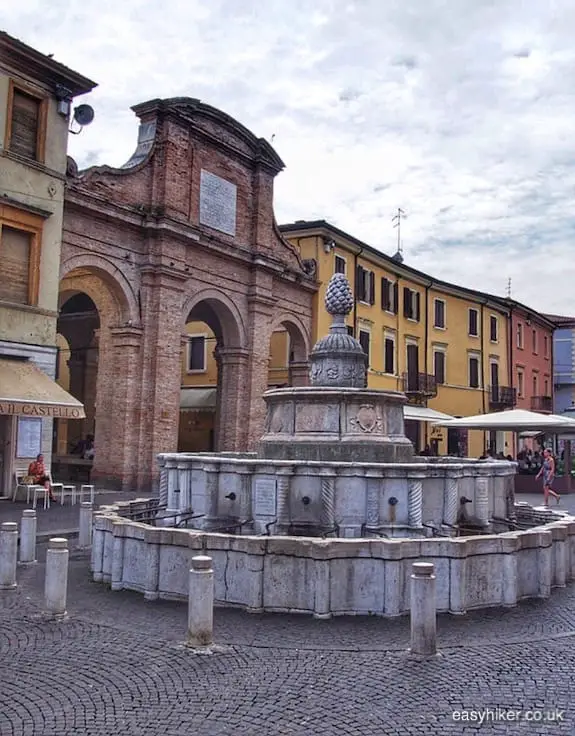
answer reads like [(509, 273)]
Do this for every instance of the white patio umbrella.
[(423, 414), (514, 420)]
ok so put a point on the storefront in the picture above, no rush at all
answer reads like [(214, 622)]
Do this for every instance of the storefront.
[(29, 402)]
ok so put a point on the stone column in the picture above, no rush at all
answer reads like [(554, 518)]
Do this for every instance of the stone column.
[(373, 481), (8, 554), (415, 500), (212, 490), (56, 582), (163, 492), (246, 512), (451, 499), (482, 499), (261, 304), (90, 382), (298, 373), (423, 610), (76, 368), (201, 602), (327, 498), (283, 496)]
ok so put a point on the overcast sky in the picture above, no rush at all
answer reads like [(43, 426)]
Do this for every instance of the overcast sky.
[(462, 113)]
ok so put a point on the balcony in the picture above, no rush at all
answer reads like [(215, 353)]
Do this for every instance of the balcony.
[(419, 387), (502, 397), (542, 403)]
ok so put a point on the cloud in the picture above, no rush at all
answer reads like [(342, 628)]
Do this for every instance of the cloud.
[(461, 115)]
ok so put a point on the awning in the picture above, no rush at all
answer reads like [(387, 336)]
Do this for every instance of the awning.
[(198, 399), (514, 420), (423, 414), (26, 391)]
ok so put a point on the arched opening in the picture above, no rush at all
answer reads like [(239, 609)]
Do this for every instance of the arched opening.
[(213, 332), (77, 368), (288, 355)]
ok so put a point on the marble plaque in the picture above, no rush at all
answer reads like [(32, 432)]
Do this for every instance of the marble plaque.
[(218, 199), (265, 497)]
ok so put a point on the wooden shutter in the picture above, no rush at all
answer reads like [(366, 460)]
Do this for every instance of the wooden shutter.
[(359, 284), (417, 310), (385, 294), (473, 322), (371, 287), (407, 294), (439, 366), (389, 361), (15, 247), (474, 373), (395, 297), (25, 124)]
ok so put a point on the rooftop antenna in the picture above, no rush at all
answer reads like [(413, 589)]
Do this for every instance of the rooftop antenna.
[(396, 220), (272, 138), (509, 288)]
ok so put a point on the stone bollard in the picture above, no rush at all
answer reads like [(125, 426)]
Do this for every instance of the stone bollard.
[(85, 535), (201, 602), (8, 554), (56, 583), (28, 537), (423, 612)]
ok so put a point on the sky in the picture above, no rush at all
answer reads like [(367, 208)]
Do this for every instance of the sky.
[(462, 113)]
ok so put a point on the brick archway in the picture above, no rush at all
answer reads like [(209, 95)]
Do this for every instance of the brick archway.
[(217, 310)]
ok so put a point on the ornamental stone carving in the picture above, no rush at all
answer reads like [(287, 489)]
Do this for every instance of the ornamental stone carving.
[(367, 419)]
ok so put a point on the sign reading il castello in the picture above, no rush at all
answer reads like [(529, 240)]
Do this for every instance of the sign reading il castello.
[(41, 410)]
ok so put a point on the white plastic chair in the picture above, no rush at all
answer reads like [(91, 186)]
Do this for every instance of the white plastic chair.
[(41, 491), (29, 487)]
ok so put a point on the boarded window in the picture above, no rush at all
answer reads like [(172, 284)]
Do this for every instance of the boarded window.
[(197, 354), (25, 124), (15, 249)]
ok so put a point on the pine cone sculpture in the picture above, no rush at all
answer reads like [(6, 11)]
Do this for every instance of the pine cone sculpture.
[(338, 297)]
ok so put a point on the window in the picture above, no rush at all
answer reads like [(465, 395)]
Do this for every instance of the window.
[(546, 384), (545, 346), (20, 238), (388, 295), (365, 285), (473, 371), (520, 384), (197, 354), (534, 338), (439, 366), (26, 127), (520, 336), (389, 355), (411, 304), (535, 385), (473, 322), (350, 330), (340, 264), (439, 313), (493, 336), (364, 342)]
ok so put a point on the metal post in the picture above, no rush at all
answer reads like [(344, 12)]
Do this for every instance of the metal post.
[(201, 602), (56, 583), (8, 554), (28, 536), (85, 535), (423, 610)]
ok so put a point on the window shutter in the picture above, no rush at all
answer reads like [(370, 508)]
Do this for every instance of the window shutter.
[(406, 302), (14, 265), (473, 322), (395, 298), (371, 287), (25, 121), (474, 373), (389, 356), (417, 306), (359, 284)]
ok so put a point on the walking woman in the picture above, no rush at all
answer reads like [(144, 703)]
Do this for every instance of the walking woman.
[(548, 473)]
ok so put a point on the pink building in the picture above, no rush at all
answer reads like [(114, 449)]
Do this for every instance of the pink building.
[(531, 358)]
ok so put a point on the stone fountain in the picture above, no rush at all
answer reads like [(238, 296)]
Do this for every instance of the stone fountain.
[(333, 460)]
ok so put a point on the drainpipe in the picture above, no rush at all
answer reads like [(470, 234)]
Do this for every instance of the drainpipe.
[(356, 256), (511, 372), (426, 349)]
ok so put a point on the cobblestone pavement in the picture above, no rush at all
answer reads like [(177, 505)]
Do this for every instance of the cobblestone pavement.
[(117, 666)]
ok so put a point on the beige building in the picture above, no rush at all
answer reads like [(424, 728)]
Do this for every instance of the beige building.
[(36, 96)]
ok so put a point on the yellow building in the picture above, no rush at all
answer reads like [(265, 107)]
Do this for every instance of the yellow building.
[(445, 346), (36, 94)]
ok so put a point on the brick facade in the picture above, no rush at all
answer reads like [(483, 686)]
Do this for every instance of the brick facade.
[(134, 244)]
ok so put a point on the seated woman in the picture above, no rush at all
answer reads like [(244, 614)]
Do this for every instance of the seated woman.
[(37, 471)]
